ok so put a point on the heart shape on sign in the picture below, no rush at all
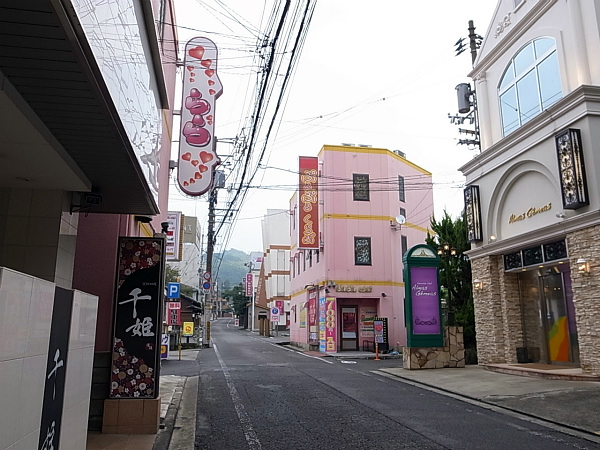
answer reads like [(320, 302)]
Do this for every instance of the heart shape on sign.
[(190, 68), (187, 156), (209, 72), (211, 83), (195, 162), (192, 74), (197, 52), (206, 157), (212, 91), (198, 175), (206, 63), (185, 183), (203, 168), (192, 181), (192, 80)]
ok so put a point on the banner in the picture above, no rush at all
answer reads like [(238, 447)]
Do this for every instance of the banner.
[(249, 284), (197, 143), (175, 229), (330, 325), (137, 333), (308, 227)]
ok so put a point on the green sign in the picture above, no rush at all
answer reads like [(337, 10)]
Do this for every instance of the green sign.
[(422, 302)]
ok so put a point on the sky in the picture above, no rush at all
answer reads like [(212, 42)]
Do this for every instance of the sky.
[(381, 73)]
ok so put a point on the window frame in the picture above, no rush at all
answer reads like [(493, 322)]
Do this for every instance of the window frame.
[(509, 91), (367, 240), (401, 189), (357, 189)]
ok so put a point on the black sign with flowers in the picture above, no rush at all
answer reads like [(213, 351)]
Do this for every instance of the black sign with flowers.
[(137, 332)]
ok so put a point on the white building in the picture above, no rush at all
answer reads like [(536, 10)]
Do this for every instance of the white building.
[(533, 208)]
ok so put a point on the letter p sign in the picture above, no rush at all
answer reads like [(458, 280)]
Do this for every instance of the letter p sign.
[(173, 290)]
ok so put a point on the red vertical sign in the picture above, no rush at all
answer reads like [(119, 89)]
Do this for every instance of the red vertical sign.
[(249, 284), (309, 203)]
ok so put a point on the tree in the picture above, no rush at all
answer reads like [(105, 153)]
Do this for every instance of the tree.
[(235, 296), (172, 275), (455, 273)]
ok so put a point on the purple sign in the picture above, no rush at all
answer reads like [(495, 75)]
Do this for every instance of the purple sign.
[(425, 301)]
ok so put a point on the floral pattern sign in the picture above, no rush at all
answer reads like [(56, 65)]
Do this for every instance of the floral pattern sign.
[(137, 318)]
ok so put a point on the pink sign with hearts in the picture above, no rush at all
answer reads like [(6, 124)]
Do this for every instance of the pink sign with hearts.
[(197, 144)]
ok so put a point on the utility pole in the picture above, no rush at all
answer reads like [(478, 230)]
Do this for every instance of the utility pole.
[(473, 41), (210, 248)]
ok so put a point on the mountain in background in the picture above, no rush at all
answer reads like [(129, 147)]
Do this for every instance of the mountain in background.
[(230, 270)]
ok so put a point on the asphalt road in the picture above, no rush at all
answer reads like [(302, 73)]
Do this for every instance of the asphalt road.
[(256, 395)]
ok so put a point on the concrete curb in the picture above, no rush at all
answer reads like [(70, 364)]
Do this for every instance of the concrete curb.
[(163, 438), (184, 429)]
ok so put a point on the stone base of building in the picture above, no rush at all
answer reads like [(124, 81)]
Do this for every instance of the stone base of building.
[(131, 416), (451, 355)]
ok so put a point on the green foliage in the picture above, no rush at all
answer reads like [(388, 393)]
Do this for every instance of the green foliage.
[(172, 274), (455, 273), (231, 267), (235, 296)]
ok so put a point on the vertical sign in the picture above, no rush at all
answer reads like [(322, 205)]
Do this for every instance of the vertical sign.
[(312, 317), (137, 336), (309, 203), (188, 328), (174, 316), (330, 324), (164, 346), (56, 367), (322, 337), (174, 236), (425, 301), (197, 143), (249, 284)]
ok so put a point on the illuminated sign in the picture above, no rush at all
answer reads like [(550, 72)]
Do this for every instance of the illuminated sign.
[(309, 203), (197, 143)]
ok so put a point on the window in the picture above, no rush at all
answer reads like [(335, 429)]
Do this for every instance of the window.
[(362, 251), (401, 188), (530, 84), (309, 257), (404, 244), (403, 212), (317, 255), (360, 187)]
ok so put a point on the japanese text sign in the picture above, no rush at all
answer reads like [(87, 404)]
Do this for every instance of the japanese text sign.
[(137, 333), (309, 203)]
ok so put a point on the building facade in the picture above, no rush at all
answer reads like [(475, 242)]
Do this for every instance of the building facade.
[(81, 165), (533, 211), (370, 206)]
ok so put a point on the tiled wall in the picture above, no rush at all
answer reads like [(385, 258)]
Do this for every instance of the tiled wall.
[(26, 306)]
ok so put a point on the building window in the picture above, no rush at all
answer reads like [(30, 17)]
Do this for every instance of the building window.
[(360, 187), (404, 244), (401, 188), (530, 84), (292, 272), (317, 253), (403, 212), (362, 251), (309, 257)]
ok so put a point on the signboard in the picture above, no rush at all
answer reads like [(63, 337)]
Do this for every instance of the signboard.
[(174, 246), (322, 339), (378, 330), (173, 290), (175, 316), (174, 305), (137, 335), (330, 325), (249, 284), (56, 369), (164, 346), (425, 300), (308, 227), (275, 314), (313, 338), (279, 304), (188, 329), (422, 305), (197, 143)]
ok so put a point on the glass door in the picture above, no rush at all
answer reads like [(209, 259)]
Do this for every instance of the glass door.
[(556, 318), (349, 328)]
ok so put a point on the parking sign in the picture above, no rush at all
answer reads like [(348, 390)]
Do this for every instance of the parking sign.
[(173, 290)]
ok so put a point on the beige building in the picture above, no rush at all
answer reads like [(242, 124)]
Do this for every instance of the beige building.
[(532, 196)]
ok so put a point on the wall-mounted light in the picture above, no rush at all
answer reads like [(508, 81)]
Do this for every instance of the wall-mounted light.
[(583, 266), (493, 238), (326, 291), (477, 284), (383, 294)]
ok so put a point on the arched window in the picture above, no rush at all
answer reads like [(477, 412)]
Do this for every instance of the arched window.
[(530, 84)]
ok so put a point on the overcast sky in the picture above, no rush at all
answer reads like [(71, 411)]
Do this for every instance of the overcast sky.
[(380, 73)]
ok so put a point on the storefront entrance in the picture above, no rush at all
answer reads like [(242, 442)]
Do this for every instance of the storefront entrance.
[(549, 329), (349, 328)]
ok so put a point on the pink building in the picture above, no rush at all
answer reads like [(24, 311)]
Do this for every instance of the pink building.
[(373, 205)]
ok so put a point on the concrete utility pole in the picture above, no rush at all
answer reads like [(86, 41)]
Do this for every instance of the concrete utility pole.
[(210, 248)]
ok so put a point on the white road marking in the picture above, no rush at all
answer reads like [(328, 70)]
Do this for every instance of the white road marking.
[(303, 354), (247, 428)]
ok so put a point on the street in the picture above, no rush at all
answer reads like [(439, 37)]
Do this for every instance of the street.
[(254, 394)]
